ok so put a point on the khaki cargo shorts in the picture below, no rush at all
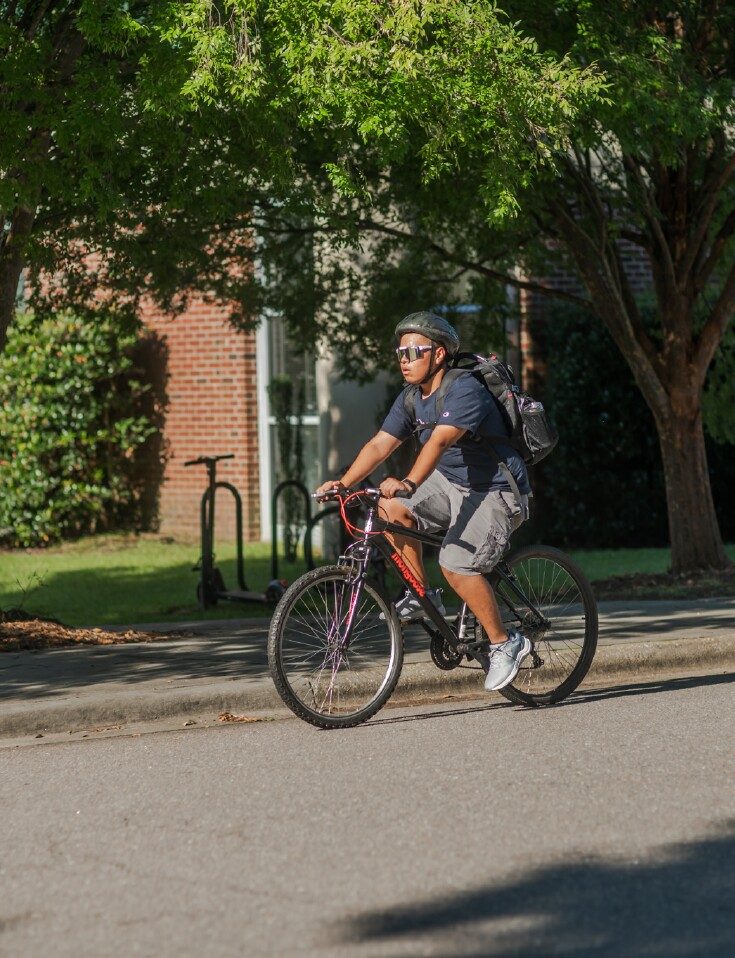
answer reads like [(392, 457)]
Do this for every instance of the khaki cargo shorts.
[(478, 524)]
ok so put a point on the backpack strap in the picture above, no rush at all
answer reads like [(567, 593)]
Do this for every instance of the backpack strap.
[(451, 375), (411, 392)]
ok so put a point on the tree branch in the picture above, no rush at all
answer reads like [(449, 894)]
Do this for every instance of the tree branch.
[(719, 243), (715, 327), (611, 303), (367, 225), (652, 216), (709, 206)]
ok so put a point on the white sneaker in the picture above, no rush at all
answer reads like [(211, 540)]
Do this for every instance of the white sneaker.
[(408, 606), (505, 660)]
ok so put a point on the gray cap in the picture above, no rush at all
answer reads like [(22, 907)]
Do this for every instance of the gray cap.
[(433, 327)]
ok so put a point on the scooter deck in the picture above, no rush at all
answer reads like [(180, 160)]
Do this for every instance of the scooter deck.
[(237, 595)]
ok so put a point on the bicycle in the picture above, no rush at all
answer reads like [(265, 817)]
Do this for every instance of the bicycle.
[(335, 644)]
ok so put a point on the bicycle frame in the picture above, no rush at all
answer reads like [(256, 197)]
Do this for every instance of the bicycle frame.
[(360, 552)]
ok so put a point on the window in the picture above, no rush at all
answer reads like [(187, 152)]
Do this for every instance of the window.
[(285, 360)]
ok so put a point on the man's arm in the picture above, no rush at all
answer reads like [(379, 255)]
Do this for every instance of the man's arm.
[(440, 440), (375, 451)]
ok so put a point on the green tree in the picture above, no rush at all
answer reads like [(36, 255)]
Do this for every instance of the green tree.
[(116, 166), (650, 163)]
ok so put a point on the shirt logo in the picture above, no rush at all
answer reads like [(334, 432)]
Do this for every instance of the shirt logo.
[(445, 414)]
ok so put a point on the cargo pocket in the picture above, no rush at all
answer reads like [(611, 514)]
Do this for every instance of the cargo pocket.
[(490, 552)]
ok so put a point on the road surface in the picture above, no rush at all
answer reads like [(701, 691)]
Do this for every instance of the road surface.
[(602, 827)]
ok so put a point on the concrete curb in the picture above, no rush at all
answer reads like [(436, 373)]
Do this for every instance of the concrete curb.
[(418, 680)]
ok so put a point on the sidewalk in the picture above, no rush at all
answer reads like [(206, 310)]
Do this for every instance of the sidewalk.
[(222, 667)]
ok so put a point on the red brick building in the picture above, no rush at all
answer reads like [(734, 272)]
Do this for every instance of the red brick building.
[(211, 405), (215, 381)]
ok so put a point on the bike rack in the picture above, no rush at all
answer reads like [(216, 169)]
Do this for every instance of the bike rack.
[(310, 523), (211, 586)]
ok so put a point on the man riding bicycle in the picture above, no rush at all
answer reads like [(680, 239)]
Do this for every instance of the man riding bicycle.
[(457, 483)]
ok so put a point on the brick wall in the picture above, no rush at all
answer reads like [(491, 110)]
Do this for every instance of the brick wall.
[(211, 408)]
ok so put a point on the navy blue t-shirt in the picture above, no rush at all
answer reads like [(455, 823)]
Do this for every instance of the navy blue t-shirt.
[(467, 405)]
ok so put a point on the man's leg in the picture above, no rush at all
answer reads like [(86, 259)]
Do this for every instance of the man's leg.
[(477, 592), (410, 550)]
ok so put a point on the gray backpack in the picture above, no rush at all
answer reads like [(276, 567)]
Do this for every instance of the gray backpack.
[(529, 430)]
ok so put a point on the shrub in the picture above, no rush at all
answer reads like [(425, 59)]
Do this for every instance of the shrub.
[(70, 426)]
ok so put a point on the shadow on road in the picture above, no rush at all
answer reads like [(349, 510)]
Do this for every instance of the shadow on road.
[(649, 688), (580, 697), (447, 712), (675, 901)]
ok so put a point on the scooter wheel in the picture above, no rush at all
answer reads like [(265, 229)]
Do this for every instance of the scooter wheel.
[(274, 590)]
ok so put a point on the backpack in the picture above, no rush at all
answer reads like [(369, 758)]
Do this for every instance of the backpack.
[(529, 430)]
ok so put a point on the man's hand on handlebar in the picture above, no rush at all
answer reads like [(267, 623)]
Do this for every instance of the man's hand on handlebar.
[(331, 485), (390, 488)]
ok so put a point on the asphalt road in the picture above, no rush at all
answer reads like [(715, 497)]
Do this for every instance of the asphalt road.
[(602, 827)]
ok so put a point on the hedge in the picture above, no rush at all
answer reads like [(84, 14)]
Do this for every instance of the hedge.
[(71, 425)]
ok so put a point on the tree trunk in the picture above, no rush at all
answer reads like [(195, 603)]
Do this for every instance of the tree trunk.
[(11, 267), (694, 532)]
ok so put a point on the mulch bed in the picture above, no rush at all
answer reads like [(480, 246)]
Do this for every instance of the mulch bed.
[(20, 632)]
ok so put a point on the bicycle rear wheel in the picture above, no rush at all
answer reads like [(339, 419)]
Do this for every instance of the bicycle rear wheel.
[(322, 678), (559, 616)]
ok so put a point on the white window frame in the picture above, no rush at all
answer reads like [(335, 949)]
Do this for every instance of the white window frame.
[(265, 423)]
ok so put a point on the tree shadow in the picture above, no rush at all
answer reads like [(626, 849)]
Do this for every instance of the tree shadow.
[(223, 650), (649, 688), (625, 620), (677, 901), (580, 697)]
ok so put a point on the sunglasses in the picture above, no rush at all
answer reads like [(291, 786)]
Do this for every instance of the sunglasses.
[(412, 353)]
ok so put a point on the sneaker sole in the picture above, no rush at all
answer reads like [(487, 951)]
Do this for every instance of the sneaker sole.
[(525, 652)]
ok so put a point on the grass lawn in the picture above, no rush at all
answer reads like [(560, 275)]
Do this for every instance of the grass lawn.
[(117, 580)]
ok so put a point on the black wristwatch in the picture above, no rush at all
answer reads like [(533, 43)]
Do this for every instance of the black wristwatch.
[(411, 485)]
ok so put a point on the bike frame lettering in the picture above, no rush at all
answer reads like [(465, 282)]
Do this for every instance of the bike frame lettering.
[(407, 574)]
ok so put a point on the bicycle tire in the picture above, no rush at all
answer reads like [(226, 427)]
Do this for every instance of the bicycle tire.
[(317, 600), (566, 647)]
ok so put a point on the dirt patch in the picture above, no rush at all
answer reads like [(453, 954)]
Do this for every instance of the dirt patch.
[(24, 633), (666, 585)]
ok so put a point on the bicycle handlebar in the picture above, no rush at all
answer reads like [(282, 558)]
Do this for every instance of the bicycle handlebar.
[(368, 493)]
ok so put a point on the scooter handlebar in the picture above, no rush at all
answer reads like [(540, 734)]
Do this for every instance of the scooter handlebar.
[(205, 460)]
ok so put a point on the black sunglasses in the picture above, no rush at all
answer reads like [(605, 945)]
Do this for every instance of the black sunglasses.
[(412, 353)]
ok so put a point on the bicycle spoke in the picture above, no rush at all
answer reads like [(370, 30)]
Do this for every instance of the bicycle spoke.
[(556, 617), (335, 654)]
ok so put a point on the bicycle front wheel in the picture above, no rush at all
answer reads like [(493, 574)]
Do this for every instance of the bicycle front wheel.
[(325, 676), (558, 614)]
